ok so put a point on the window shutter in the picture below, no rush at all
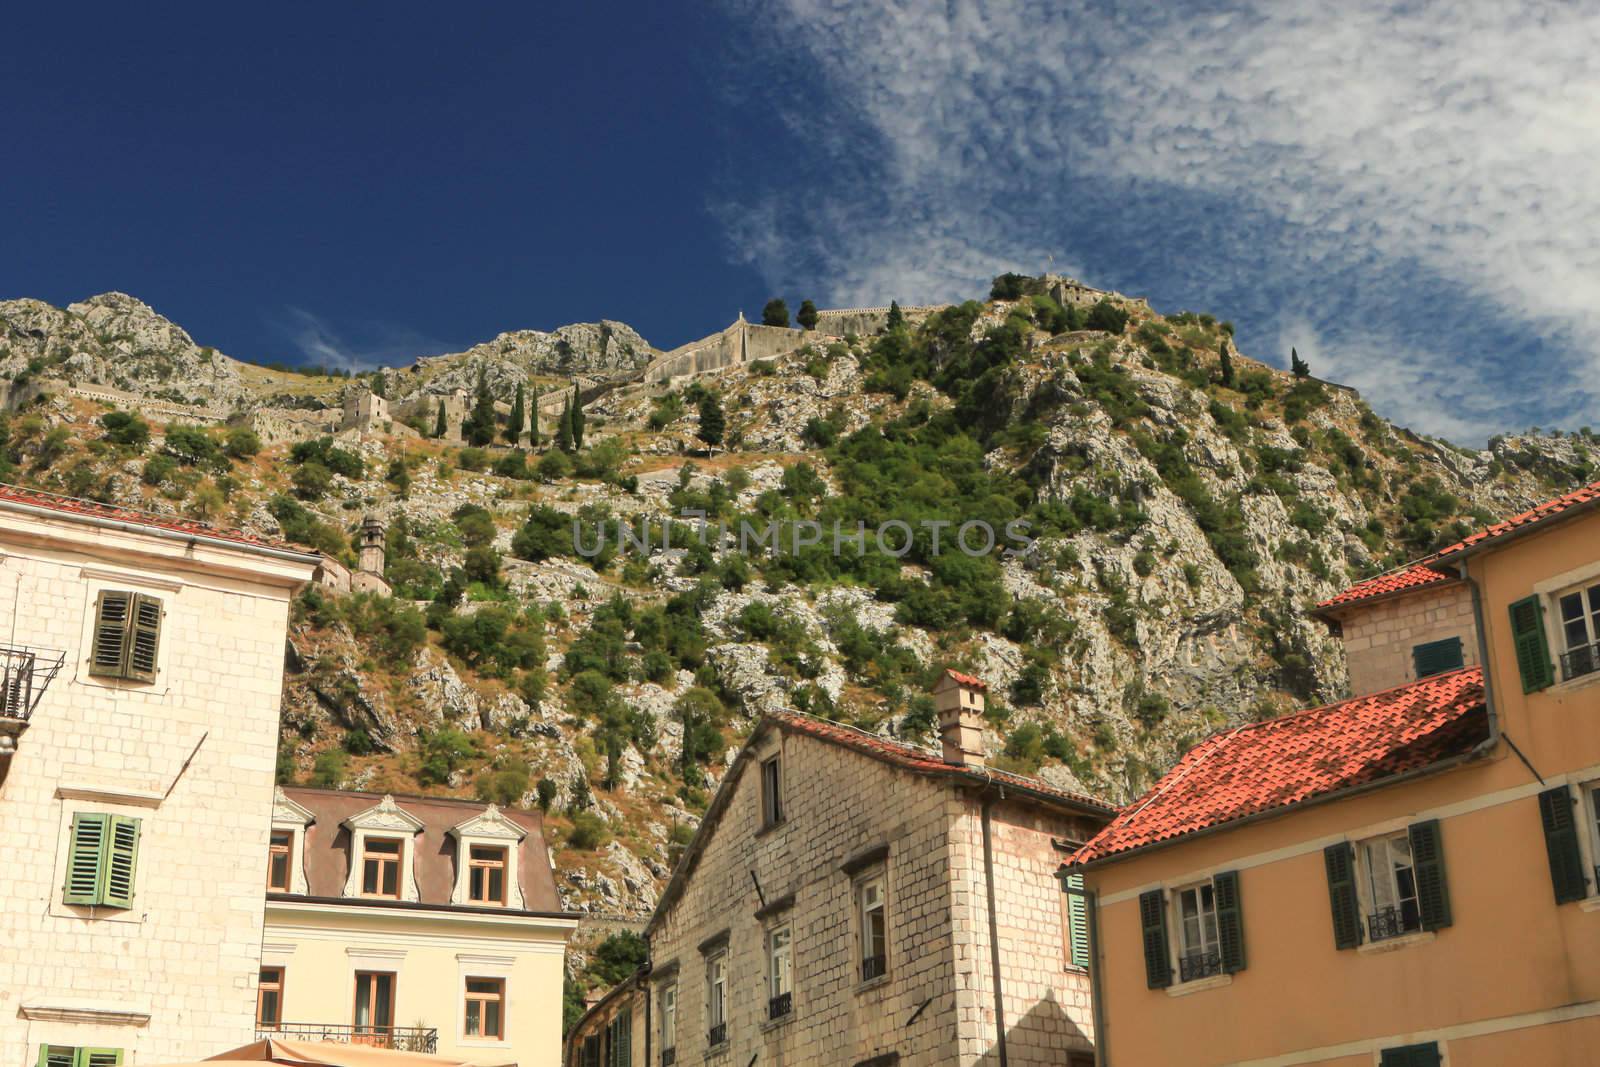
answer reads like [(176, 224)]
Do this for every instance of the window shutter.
[(1230, 920), (86, 858), (56, 1055), (1561, 843), (1436, 657), (144, 638), (1340, 861), (1411, 1056), (111, 613), (625, 1038), (1533, 651), (1433, 893), (122, 860), (1077, 922), (98, 1057), (1157, 960)]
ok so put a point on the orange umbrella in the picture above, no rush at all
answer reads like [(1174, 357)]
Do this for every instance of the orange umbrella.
[(337, 1054)]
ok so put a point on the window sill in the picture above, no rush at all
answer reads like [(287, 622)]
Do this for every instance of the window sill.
[(775, 1024), (718, 1051), (478, 1042), (770, 827), (1572, 685), (1392, 944), (1589, 904), (873, 983), (1200, 985)]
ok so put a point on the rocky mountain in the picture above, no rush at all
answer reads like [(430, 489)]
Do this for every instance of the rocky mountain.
[(1183, 505)]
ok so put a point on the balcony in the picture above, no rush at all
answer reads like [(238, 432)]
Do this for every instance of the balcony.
[(1196, 965), (780, 1005), (874, 967), (1577, 662), (718, 1035), (669, 1056), (25, 673), (400, 1038), (1388, 923)]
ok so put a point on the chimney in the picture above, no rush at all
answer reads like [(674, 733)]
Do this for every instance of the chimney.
[(371, 552), (958, 698)]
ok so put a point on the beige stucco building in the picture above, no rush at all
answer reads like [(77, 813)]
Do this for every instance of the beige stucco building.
[(1406, 879), (850, 899), (420, 923), (138, 725)]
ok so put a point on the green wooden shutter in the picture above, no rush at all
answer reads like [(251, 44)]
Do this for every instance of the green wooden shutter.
[(1436, 657), (1077, 921), (112, 611), (57, 1055), (1561, 843), (1411, 1056), (98, 1057), (625, 1038), (1230, 920), (144, 638), (86, 854), (1153, 918), (122, 859), (1533, 651), (1340, 861), (1433, 892)]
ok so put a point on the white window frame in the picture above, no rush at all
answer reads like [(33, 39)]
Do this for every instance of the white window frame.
[(669, 1016), (482, 965), (1589, 834), (292, 818), (1179, 932), (488, 829), (1367, 893), (384, 819), (772, 813), (780, 961), (1588, 592), (717, 991), (875, 880), (1550, 591)]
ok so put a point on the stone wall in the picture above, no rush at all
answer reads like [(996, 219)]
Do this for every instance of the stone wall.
[(864, 322), (1378, 638), (277, 426)]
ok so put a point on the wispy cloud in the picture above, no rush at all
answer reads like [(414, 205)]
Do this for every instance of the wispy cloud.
[(1408, 188), (365, 346)]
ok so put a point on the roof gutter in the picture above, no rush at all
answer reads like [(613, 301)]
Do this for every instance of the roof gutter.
[(124, 526)]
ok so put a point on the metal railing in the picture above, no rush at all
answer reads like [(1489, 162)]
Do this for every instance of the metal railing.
[(874, 967), (780, 1005), (1577, 662), (717, 1035), (1192, 965), (669, 1056), (25, 673), (401, 1038), (1389, 923)]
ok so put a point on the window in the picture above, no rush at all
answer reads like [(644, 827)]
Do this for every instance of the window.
[(68, 1056), (780, 972), (1210, 934), (1567, 824), (1393, 908), (1389, 886), (374, 1015), (591, 1051), (380, 867), (1411, 1056), (619, 1040), (1580, 632), (717, 998), (486, 1003), (102, 858), (279, 861), (771, 792), (669, 1025), (874, 929), (1436, 657), (269, 999), (1533, 650), (486, 875), (127, 636), (1075, 922), (1199, 945)]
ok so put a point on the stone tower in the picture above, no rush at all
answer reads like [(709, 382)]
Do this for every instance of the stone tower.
[(958, 698), (371, 556)]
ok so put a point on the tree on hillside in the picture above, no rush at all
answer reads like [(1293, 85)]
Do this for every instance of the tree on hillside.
[(533, 419), (519, 415), (1300, 367), (479, 427), (577, 418), (564, 427), (897, 318), (441, 425), (378, 386), (1225, 366), (712, 423), (807, 315), (776, 313)]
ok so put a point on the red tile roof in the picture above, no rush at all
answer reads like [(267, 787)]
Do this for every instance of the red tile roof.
[(66, 505), (967, 679), (924, 761), (1286, 761), (1412, 576)]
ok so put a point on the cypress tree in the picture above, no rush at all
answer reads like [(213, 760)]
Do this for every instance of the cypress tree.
[(1226, 367), (897, 318), (533, 420), (807, 315), (712, 422), (518, 417), (564, 428), (440, 425), (776, 313), (1300, 367), (479, 427), (577, 418)]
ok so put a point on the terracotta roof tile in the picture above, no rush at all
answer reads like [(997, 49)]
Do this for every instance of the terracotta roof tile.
[(1550, 509), (1289, 760), (67, 505), (1412, 576), (967, 679)]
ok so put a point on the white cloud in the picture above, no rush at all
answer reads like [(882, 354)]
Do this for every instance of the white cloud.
[(378, 344), (1293, 156)]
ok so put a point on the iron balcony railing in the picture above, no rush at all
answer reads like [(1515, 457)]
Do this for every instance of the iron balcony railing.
[(1577, 662), (718, 1034), (669, 1056), (780, 1005), (1391, 922), (1192, 965), (401, 1038), (874, 967), (25, 673)]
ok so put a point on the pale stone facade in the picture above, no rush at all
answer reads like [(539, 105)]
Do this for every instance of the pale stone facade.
[(189, 755), (1379, 637)]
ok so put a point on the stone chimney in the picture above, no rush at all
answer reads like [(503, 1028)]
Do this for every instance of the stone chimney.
[(371, 553), (958, 698)]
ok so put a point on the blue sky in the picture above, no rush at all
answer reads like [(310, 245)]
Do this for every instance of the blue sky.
[(1404, 192)]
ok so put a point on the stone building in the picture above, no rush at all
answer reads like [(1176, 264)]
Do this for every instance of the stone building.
[(420, 923), (854, 900), (365, 411), (1403, 626), (139, 718)]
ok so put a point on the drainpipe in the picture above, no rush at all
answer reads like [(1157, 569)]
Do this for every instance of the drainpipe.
[(1097, 990), (1491, 714), (989, 798)]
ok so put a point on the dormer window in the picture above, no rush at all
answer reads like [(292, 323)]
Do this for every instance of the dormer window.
[(486, 875), (382, 852), (486, 860), (280, 861), (380, 867)]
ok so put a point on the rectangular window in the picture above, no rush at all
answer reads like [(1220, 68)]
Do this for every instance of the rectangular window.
[(486, 1002), (1199, 944), (380, 867), (669, 1025), (780, 972), (1391, 887), (374, 1014), (717, 998), (486, 875), (127, 636), (1436, 657), (279, 861), (874, 930), (771, 792), (102, 860), (1580, 632), (269, 999), (69, 1056), (1411, 1056)]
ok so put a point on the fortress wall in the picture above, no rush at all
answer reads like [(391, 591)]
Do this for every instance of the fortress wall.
[(864, 322), (770, 342)]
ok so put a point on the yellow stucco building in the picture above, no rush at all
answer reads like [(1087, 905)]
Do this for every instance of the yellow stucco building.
[(425, 924), (1407, 878)]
